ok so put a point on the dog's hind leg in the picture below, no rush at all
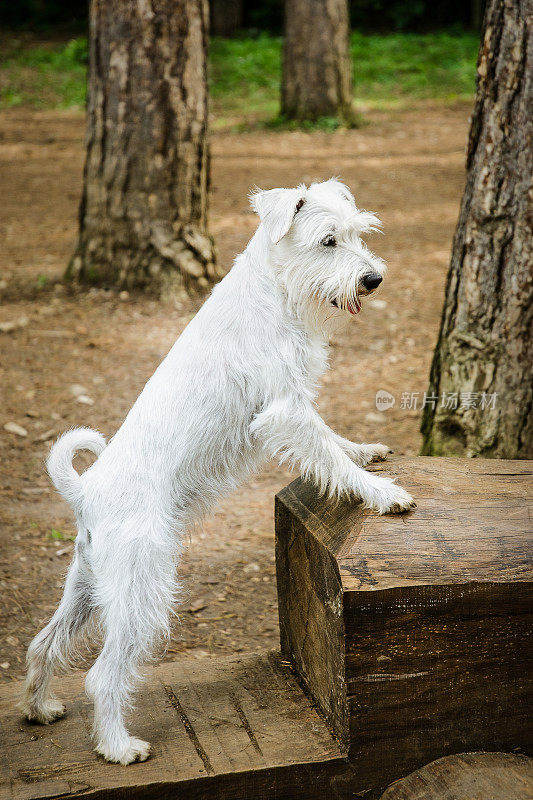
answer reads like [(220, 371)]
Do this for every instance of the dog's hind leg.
[(52, 647), (135, 600)]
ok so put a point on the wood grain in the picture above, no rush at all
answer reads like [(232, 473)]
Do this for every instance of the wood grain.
[(435, 632), (311, 617), (227, 728), (432, 671), (468, 776)]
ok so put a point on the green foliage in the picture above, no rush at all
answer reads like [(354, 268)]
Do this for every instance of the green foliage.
[(403, 66), (59, 536), (388, 69), (245, 74), (52, 76), (320, 124)]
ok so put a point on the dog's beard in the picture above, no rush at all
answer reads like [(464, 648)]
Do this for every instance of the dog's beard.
[(352, 304), (317, 304), (321, 315)]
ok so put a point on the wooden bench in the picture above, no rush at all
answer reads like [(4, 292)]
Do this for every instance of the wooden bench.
[(468, 776), (408, 641), (219, 728), (413, 633)]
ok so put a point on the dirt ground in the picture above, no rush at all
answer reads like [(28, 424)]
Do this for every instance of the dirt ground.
[(71, 359)]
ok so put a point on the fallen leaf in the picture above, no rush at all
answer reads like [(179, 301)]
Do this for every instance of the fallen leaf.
[(12, 427), (373, 416), (12, 325), (197, 605), (76, 389), (44, 437), (379, 304)]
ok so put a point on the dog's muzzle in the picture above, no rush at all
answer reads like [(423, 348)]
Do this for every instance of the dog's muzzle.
[(371, 281), (354, 308)]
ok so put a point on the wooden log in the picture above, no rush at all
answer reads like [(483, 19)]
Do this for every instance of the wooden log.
[(412, 633), (231, 729), (469, 776)]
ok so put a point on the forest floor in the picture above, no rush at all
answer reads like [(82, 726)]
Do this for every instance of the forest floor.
[(81, 358)]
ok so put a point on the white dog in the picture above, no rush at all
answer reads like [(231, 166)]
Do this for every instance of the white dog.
[(237, 388)]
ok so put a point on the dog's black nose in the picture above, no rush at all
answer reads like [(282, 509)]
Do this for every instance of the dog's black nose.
[(371, 281)]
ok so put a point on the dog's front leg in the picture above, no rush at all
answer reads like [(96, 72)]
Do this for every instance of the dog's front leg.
[(291, 428), (362, 454)]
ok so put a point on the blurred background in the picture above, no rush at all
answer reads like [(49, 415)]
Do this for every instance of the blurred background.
[(77, 352), (403, 50)]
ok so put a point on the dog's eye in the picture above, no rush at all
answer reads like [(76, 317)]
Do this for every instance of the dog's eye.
[(329, 241)]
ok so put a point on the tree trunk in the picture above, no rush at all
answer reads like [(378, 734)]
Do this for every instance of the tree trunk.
[(317, 64), (484, 354), (476, 14), (226, 17), (143, 214)]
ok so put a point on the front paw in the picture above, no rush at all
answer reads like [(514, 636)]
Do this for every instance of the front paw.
[(363, 454), (386, 497), (125, 753), (377, 452)]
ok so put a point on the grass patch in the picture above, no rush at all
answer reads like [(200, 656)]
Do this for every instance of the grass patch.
[(51, 75), (388, 70), (59, 536), (414, 67), (245, 74)]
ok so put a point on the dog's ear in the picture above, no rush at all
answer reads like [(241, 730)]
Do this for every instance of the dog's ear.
[(277, 208)]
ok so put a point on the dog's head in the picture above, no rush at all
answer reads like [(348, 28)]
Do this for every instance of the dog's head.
[(314, 239)]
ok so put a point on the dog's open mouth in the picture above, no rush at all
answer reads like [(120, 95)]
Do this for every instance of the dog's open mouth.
[(354, 307)]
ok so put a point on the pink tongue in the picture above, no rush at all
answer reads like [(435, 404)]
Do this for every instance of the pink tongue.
[(354, 309)]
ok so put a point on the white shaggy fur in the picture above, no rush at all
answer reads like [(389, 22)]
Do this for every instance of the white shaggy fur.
[(237, 388)]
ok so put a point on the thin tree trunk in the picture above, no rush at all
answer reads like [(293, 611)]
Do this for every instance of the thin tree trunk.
[(226, 17), (476, 14), (484, 354), (317, 64), (143, 215)]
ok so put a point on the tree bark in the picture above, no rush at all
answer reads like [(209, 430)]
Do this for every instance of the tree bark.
[(143, 214), (226, 17), (486, 342), (317, 64)]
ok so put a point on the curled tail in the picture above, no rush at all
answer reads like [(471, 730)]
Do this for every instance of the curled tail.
[(59, 463)]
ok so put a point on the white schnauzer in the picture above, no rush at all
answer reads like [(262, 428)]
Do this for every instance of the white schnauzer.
[(237, 388)]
